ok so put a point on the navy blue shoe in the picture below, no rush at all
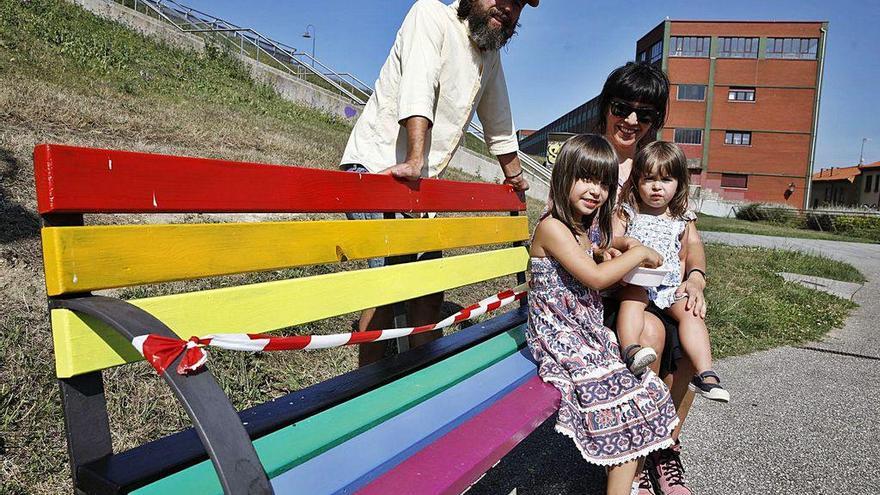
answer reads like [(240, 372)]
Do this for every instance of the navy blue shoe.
[(711, 391), (638, 358)]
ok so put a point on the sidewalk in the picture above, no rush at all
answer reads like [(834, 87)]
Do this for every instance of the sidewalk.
[(801, 420)]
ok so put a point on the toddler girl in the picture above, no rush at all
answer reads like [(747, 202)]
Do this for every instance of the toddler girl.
[(653, 211), (614, 418)]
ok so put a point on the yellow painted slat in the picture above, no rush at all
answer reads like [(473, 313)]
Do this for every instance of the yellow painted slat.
[(80, 259), (83, 345)]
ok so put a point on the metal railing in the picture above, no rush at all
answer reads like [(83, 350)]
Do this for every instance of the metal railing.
[(538, 171), (250, 43)]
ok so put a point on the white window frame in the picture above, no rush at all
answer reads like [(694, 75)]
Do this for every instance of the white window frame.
[(733, 134), (733, 90)]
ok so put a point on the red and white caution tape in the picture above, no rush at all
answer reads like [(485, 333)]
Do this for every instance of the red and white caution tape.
[(161, 351)]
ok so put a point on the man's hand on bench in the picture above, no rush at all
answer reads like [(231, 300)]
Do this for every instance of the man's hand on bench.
[(405, 170)]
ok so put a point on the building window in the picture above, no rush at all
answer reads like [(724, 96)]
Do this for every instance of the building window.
[(739, 138), (738, 181), (656, 52), (741, 94), (689, 46), (738, 47), (796, 48), (695, 92), (877, 183), (689, 136), (643, 57), (868, 183)]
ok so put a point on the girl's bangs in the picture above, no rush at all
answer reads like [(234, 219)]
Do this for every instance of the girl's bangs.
[(597, 170), (660, 168)]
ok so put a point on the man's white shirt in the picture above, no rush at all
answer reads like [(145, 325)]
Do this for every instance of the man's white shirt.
[(435, 71)]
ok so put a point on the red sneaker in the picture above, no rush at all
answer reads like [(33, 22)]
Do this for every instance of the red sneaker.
[(668, 471)]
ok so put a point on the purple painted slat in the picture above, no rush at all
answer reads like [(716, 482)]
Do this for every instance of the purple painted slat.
[(455, 461)]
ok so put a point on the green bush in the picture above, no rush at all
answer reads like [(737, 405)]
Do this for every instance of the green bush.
[(822, 222), (748, 212), (859, 226), (775, 214), (866, 227)]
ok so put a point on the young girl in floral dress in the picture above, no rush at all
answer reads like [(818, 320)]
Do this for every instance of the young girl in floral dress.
[(614, 418)]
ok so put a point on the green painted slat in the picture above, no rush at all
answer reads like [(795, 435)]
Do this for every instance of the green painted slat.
[(295, 444)]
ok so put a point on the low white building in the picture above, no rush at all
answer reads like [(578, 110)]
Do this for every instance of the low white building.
[(847, 186)]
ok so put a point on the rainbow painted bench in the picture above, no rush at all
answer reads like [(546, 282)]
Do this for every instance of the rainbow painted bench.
[(430, 420)]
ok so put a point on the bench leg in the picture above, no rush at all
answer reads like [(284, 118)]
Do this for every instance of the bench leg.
[(85, 420)]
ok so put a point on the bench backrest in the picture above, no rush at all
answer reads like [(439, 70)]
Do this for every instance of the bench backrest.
[(78, 259)]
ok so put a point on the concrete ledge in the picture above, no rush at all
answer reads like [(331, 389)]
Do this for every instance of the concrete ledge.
[(287, 86), (144, 24), (844, 290), (488, 170)]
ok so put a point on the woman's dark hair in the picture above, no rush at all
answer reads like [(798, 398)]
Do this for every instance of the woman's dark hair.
[(584, 157), (637, 82), (664, 159)]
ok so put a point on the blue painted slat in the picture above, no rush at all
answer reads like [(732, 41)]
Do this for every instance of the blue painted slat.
[(356, 462)]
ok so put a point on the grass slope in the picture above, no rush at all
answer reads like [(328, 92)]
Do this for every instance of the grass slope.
[(67, 76)]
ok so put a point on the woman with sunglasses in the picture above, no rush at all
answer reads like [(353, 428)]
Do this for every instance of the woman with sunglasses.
[(632, 110)]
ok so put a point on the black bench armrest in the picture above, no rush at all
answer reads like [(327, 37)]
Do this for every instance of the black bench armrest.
[(215, 420)]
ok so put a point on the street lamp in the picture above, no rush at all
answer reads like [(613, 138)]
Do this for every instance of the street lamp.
[(862, 152), (313, 36)]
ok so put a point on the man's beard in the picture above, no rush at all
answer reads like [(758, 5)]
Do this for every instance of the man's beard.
[(485, 37)]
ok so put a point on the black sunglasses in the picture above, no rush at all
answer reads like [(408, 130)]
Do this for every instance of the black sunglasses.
[(624, 110)]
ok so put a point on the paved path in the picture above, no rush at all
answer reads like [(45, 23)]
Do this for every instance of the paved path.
[(802, 421)]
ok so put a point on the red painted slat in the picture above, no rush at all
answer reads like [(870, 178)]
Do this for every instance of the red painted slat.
[(89, 180), (455, 461)]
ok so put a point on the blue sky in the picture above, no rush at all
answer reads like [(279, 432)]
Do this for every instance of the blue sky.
[(565, 49)]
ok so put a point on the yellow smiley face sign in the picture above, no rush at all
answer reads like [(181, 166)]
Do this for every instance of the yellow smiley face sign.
[(555, 140)]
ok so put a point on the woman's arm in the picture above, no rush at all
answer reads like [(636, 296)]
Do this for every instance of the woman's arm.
[(552, 238), (694, 282)]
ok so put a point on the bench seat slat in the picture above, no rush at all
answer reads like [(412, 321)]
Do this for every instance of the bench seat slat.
[(88, 180), (79, 259), (354, 463), (83, 344), (125, 471), (475, 446), (282, 450)]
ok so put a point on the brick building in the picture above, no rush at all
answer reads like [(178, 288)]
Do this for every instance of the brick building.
[(744, 101)]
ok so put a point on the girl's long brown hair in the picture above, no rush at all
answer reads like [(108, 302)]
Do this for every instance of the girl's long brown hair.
[(665, 159), (584, 157)]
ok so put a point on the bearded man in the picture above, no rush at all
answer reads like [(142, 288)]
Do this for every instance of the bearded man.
[(443, 67)]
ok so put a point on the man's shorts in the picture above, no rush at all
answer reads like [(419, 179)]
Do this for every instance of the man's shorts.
[(377, 262)]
